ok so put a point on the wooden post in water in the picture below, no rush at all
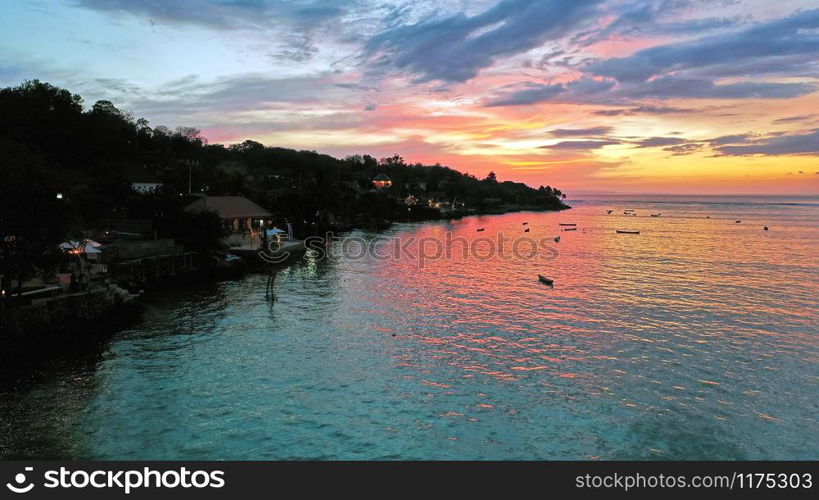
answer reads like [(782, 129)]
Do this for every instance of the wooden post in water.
[(271, 278)]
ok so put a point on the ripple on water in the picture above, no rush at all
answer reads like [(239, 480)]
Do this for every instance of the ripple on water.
[(693, 340)]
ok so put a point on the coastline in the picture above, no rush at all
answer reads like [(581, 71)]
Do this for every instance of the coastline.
[(67, 323), (500, 210), (57, 326), (329, 338)]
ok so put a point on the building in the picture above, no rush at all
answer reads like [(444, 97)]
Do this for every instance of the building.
[(415, 186), (144, 182), (238, 213), (381, 181)]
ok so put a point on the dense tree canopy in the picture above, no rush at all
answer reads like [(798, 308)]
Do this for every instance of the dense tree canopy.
[(51, 144)]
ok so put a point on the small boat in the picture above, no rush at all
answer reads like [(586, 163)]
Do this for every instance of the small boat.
[(570, 229), (609, 211), (545, 280), (480, 229), (557, 239), (738, 221), (525, 223), (628, 231), (655, 215), (765, 228), (526, 230), (567, 223)]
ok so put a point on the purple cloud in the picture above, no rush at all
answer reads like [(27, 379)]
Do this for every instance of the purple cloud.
[(532, 93), (794, 144), (456, 48), (684, 149), (792, 35), (653, 142), (575, 132), (648, 110), (581, 145)]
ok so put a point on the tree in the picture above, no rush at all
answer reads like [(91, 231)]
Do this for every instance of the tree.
[(105, 108), (45, 117), (201, 232), (163, 130), (192, 134), (392, 161), (143, 126), (247, 146), (33, 220), (92, 156)]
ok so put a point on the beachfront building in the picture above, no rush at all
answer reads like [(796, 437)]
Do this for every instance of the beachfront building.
[(381, 181), (238, 214)]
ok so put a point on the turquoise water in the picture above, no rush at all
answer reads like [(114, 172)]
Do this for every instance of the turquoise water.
[(696, 339)]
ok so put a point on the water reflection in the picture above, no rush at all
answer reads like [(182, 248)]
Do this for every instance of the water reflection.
[(694, 339)]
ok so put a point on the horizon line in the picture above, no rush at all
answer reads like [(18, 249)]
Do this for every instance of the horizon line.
[(624, 193)]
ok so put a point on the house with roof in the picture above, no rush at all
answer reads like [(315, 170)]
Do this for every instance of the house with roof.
[(381, 181), (143, 181), (238, 213)]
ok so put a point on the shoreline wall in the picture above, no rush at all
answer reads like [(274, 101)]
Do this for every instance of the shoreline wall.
[(31, 333)]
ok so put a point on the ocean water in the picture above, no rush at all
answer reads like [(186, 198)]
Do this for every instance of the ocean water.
[(697, 339)]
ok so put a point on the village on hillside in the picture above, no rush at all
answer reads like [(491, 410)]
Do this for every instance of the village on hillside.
[(98, 206)]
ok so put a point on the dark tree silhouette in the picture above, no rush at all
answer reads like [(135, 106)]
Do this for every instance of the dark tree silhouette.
[(51, 144)]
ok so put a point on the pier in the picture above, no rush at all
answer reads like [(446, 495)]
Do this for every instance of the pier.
[(150, 268)]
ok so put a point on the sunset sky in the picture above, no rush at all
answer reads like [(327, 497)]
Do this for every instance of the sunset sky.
[(677, 96)]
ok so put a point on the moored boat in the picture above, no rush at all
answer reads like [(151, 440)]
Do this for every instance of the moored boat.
[(275, 254), (628, 231), (545, 280), (567, 223)]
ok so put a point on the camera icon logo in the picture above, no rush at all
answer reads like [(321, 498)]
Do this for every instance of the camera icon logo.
[(20, 479)]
